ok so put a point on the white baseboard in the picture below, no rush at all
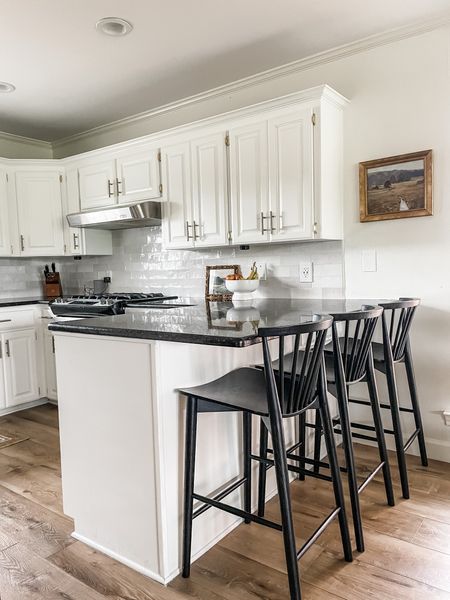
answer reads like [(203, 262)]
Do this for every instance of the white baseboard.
[(228, 529), (436, 449), (125, 561), (13, 409)]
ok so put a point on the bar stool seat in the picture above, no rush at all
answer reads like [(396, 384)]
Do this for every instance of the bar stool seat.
[(377, 350), (348, 360), (241, 389), (395, 349), (288, 359), (274, 398)]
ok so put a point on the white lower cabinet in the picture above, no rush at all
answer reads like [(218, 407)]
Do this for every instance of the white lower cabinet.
[(20, 367), (50, 364)]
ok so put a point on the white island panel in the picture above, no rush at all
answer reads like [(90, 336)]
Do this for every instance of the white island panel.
[(122, 435)]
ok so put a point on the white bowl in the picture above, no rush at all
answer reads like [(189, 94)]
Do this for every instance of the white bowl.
[(242, 289)]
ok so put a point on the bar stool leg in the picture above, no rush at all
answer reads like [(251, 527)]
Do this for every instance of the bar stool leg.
[(189, 473), (397, 425), (347, 444), (415, 404), (379, 430), (263, 440), (282, 475), (247, 439), (302, 441), (317, 442), (334, 466)]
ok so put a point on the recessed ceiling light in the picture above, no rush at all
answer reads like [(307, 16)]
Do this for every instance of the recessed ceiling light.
[(6, 88), (113, 26)]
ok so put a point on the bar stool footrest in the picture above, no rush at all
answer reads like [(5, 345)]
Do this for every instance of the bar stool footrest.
[(411, 439), (318, 532), (381, 405), (220, 496), (237, 511)]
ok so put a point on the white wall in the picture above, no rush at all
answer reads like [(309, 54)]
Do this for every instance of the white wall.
[(399, 103)]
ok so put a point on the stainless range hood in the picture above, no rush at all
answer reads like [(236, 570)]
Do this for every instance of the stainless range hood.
[(143, 214)]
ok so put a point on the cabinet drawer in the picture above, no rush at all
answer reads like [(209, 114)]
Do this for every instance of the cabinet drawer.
[(13, 319)]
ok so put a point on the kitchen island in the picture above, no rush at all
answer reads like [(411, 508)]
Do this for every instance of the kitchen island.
[(122, 421)]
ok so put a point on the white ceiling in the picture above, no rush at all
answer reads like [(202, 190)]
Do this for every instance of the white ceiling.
[(70, 78)]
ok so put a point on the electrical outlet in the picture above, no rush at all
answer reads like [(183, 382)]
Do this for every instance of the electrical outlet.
[(306, 272)]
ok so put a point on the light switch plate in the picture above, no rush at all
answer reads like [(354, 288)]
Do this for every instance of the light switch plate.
[(369, 261), (262, 271)]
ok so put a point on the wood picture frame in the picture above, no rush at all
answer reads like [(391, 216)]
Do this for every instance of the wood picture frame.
[(218, 292), (396, 187)]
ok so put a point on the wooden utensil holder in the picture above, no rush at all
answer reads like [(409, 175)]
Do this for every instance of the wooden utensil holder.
[(52, 286)]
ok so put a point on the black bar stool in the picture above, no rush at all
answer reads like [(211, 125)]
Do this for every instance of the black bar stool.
[(396, 348), (257, 392), (349, 360)]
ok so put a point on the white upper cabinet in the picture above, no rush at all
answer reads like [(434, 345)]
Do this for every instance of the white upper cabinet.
[(5, 241), (78, 241), (249, 183), (178, 215), (270, 172), (129, 178), (39, 210), (138, 176), (291, 202), (97, 185), (209, 190)]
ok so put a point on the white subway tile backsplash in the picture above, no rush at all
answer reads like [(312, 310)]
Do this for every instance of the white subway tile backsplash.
[(140, 263)]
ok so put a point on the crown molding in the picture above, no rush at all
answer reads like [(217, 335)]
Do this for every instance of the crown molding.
[(311, 95), (26, 141), (339, 52)]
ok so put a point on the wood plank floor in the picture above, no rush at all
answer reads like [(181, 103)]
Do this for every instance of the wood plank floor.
[(407, 553)]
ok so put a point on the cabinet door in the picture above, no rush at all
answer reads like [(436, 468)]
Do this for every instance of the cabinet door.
[(176, 171), (97, 185), (138, 177), (291, 176), (50, 365), (5, 242), (249, 183), (39, 209), (209, 189), (21, 380)]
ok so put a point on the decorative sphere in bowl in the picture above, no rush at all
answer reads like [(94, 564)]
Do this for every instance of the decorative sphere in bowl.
[(242, 289)]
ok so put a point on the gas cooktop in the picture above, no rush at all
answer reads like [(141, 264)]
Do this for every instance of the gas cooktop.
[(103, 304)]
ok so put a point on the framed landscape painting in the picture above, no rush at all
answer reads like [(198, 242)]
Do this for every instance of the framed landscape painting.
[(396, 187)]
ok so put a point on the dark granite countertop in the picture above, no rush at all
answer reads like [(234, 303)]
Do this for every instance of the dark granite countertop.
[(5, 302), (213, 323)]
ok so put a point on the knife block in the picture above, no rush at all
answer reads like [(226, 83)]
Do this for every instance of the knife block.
[(52, 286)]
